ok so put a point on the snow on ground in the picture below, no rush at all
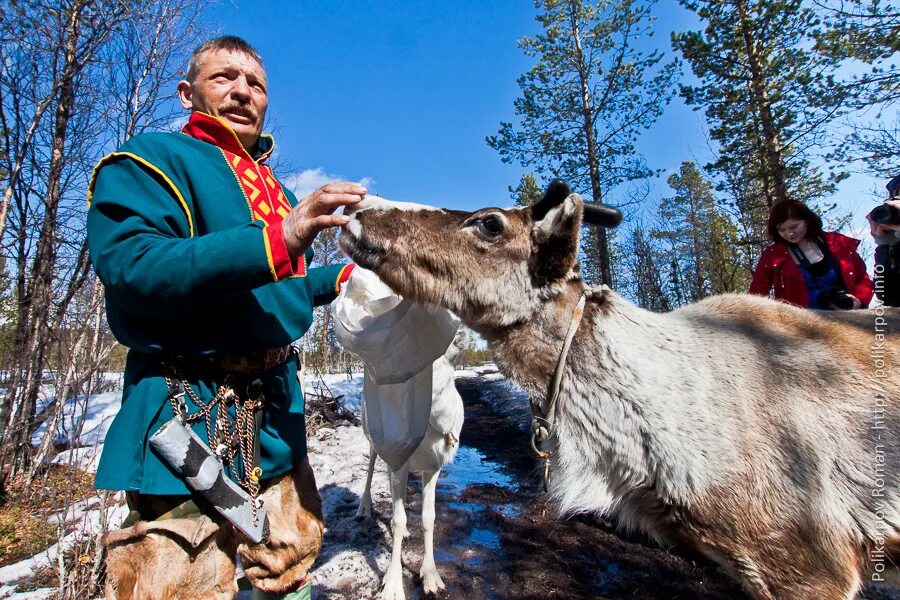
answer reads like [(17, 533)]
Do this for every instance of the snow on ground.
[(96, 414), (85, 458), (93, 416), (9, 593), (340, 458), (487, 372), (354, 556), (339, 385)]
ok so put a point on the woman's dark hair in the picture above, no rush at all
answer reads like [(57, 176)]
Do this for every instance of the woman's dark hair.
[(792, 209)]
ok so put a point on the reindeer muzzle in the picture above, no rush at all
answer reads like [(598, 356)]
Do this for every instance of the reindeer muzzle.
[(361, 251)]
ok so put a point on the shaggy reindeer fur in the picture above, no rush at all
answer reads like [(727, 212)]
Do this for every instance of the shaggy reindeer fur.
[(194, 558), (187, 559), (763, 435)]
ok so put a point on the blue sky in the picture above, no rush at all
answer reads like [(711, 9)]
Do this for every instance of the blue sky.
[(401, 94)]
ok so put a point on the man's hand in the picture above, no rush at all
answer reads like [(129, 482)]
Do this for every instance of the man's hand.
[(879, 230), (314, 213)]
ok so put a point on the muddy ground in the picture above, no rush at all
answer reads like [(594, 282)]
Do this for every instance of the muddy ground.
[(497, 538)]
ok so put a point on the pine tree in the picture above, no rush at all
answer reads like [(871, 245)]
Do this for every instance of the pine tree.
[(699, 238), (724, 269), (647, 287), (527, 192), (586, 99), (867, 33), (862, 37), (767, 95)]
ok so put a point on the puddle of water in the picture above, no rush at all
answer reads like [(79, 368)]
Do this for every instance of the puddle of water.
[(470, 467), (443, 556), (485, 537), (474, 561), (504, 399)]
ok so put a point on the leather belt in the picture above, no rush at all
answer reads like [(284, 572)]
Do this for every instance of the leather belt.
[(240, 364)]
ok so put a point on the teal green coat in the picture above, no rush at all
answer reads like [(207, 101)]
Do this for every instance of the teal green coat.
[(188, 271)]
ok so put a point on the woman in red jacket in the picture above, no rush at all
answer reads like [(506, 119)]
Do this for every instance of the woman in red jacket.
[(809, 267)]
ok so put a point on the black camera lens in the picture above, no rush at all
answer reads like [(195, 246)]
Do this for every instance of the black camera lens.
[(886, 215), (839, 300), (843, 302)]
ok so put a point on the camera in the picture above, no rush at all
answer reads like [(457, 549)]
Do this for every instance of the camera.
[(893, 187), (839, 299), (886, 215)]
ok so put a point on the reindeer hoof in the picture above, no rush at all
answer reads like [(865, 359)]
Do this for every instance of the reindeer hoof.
[(393, 587), (432, 583), (364, 512)]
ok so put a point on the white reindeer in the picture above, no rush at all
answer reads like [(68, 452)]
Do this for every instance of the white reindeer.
[(437, 449), (765, 436), (412, 413)]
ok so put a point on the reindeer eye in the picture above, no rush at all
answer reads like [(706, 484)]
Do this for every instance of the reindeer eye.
[(490, 226)]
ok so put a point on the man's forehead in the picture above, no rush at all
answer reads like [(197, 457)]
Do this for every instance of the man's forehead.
[(220, 57)]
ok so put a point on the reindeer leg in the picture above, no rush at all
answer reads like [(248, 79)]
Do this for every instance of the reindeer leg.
[(364, 512), (431, 579), (844, 586), (393, 579), (827, 572)]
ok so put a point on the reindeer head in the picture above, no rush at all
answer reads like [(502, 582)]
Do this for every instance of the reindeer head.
[(492, 267)]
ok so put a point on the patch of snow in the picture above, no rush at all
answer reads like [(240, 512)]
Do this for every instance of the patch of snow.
[(96, 413), (355, 554), (459, 372), (339, 385), (7, 592), (486, 369), (85, 458), (76, 511)]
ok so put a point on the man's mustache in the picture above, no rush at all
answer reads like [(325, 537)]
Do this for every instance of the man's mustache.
[(241, 109)]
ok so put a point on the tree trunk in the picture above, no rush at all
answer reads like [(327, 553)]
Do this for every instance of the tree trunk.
[(22, 152), (699, 292), (97, 570), (601, 243), (774, 158), (32, 350), (323, 342), (8, 407)]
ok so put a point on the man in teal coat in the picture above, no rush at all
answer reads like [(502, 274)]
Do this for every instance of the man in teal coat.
[(205, 258)]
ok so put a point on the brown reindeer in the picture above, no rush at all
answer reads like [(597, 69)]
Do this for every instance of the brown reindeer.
[(765, 436)]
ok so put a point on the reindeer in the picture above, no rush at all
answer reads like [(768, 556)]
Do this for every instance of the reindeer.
[(765, 436), (437, 449)]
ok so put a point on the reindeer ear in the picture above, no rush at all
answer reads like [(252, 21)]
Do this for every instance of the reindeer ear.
[(555, 236), (555, 195)]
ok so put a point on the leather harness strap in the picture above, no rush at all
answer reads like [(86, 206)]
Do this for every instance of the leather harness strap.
[(542, 424)]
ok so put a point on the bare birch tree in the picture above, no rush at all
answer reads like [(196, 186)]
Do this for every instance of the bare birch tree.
[(77, 78)]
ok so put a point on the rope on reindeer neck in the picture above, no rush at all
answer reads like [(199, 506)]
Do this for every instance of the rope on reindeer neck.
[(542, 427)]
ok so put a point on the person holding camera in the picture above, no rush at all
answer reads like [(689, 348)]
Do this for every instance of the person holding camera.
[(885, 224), (808, 267)]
